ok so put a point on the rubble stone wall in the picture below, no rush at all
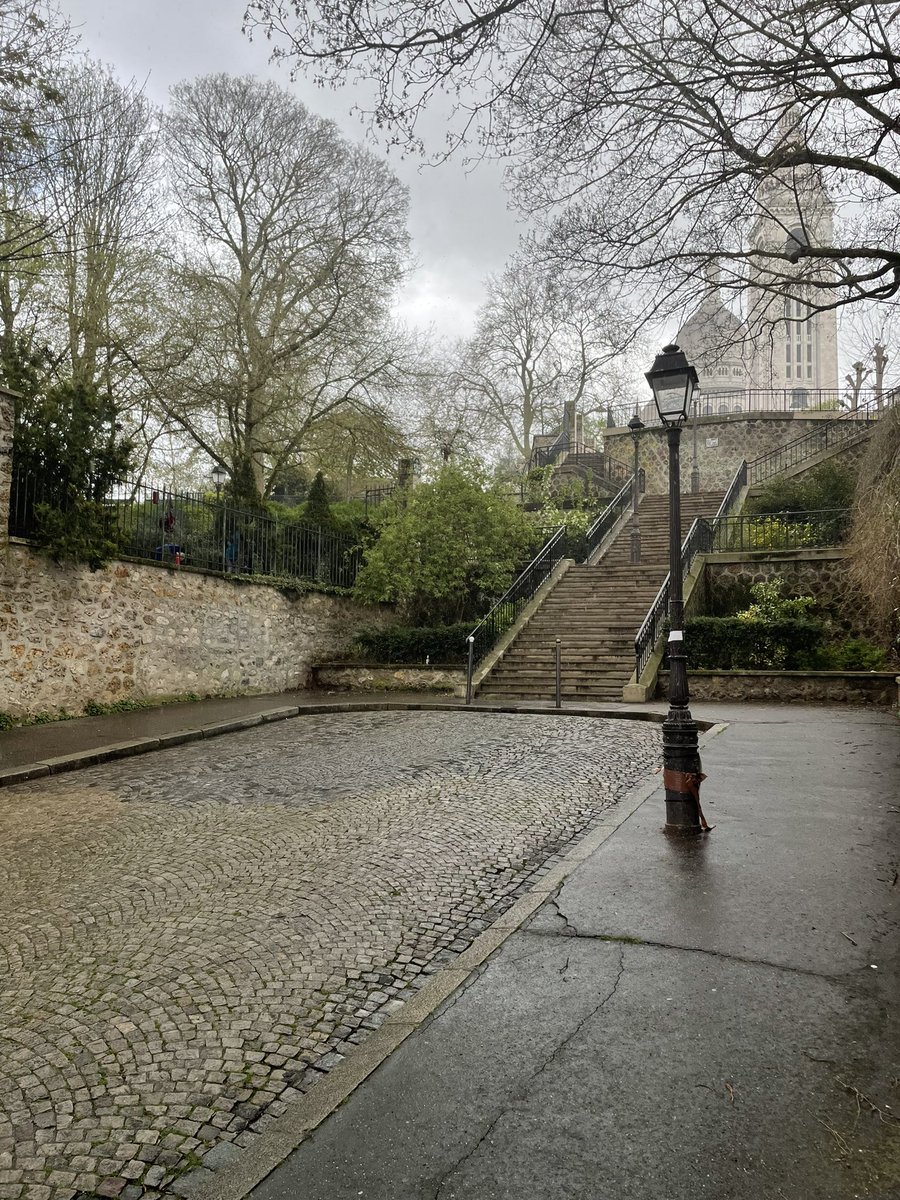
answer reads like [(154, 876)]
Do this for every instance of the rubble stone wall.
[(722, 442), (69, 635)]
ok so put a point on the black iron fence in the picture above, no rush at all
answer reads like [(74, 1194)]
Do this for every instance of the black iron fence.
[(377, 495), (700, 540), (179, 529), (546, 456), (815, 529)]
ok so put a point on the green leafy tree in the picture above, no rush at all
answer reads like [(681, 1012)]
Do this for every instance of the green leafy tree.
[(69, 450), (318, 508), (442, 557)]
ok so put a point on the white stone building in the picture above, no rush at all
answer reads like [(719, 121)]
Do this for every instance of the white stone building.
[(779, 343)]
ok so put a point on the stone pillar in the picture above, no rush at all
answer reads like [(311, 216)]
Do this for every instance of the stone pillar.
[(6, 437)]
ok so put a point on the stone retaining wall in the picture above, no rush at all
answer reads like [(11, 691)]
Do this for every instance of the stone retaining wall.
[(364, 677), (722, 442), (69, 635), (788, 687)]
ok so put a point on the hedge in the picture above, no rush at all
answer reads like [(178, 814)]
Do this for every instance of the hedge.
[(406, 644), (735, 643)]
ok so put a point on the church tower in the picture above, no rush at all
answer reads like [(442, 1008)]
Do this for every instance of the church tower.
[(794, 348)]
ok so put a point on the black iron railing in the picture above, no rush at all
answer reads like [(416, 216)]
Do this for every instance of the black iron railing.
[(521, 591), (604, 523), (378, 495), (175, 528), (814, 529), (786, 400), (700, 539), (827, 436), (546, 456)]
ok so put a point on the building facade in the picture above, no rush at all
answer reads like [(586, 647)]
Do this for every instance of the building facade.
[(780, 342)]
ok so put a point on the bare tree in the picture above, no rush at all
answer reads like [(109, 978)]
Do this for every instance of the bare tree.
[(667, 132), (102, 206), (292, 243), (872, 333), (539, 344), (34, 41)]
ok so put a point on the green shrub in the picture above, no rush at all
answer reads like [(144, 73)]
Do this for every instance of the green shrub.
[(830, 485), (404, 644), (446, 550), (855, 654), (771, 604), (751, 644)]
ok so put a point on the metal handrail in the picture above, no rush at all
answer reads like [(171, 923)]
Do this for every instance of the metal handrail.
[(517, 595), (604, 523), (728, 500), (699, 540), (827, 435), (545, 456)]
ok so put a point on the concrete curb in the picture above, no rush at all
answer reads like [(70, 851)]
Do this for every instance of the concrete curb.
[(307, 1112), (79, 759)]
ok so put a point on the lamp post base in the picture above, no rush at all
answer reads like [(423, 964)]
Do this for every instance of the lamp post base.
[(682, 774)]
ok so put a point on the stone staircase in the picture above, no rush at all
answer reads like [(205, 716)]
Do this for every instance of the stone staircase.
[(596, 612)]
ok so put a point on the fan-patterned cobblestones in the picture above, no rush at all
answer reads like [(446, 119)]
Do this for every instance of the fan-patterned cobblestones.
[(190, 939)]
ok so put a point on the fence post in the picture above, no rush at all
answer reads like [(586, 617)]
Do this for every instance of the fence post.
[(471, 642), (558, 676), (6, 440)]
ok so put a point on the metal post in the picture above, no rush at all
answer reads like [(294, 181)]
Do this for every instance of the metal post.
[(681, 755), (471, 663), (558, 676), (695, 466), (635, 519)]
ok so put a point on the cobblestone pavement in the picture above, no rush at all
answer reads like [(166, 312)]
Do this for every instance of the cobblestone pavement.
[(188, 940)]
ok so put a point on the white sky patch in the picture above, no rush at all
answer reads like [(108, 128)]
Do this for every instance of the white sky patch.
[(460, 225)]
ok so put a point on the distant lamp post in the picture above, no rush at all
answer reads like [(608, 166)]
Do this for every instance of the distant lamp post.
[(219, 477), (635, 425), (674, 382), (695, 465)]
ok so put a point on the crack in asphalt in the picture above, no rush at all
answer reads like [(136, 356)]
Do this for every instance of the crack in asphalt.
[(523, 1090), (571, 931)]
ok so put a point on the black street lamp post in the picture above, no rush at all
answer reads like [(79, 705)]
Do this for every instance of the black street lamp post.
[(219, 476), (635, 425), (674, 381)]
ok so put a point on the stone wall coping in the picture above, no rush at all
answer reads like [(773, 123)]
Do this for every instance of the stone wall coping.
[(302, 586), (794, 414), (369, 665), (780, 556), (774, 672)]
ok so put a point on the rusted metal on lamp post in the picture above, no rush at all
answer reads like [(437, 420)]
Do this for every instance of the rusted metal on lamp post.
[(674, 381)]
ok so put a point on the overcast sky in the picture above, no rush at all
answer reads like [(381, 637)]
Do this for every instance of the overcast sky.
[(460, 224)]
